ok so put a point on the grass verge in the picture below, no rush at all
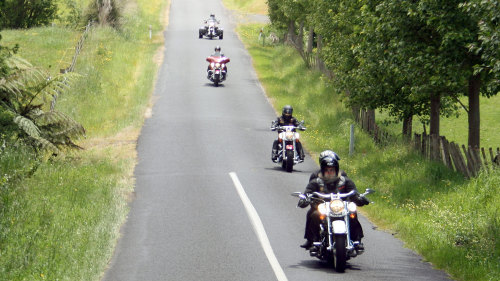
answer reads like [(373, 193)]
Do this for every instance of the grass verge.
[(453, 223), (59, 220), (247, 6)]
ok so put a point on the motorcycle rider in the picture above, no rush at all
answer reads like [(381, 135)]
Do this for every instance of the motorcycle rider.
[(286, 119), (330, 179), (217, 53), (212, 18), (323, 155)]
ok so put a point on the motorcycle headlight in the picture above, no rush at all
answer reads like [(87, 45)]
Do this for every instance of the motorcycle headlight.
[(212, 65), (337, 206), (323, 209), (289, 136), (217, 65), (352, 207)]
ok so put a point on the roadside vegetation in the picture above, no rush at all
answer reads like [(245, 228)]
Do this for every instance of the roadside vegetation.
[(452, 222), (247, 6), (60, 211)]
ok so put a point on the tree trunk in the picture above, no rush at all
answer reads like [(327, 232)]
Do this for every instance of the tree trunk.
[(310, 40), (104, 7), (474, 124), (290, 38), (435, 110), (300, 39), (319, 64), (407, 127), (371, 119)]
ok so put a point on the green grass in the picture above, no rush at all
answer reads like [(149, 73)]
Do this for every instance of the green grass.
[(247, 6), (60, 219), (456, 128), (451, 222)]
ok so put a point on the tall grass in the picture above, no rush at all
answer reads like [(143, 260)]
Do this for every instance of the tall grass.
[(452, 222), (59, 220), (247, 6)]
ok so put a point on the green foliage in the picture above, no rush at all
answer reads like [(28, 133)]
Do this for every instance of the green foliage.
[(27, 13), (104, 12), (453, 223), (29, 94), (397, 55), (71, 13), (60, 219), (488, 44)]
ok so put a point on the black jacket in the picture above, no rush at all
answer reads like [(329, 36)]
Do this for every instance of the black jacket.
[(280, 121), (343, 184)]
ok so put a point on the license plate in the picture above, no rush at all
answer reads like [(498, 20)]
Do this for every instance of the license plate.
[(289, 147)]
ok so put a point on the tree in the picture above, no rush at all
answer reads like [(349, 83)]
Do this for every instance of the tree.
[(27, 94), (27, 13)]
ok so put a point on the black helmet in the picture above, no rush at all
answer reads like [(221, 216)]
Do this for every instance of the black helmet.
[(217, 48), (287, 112), (329, 162), (328, 153), (212, 15)]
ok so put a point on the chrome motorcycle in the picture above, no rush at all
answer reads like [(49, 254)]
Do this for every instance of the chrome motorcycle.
[(336, 246), (287, 143)]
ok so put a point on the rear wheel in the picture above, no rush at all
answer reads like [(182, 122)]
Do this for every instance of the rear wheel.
[(340, 253), (289, 161)]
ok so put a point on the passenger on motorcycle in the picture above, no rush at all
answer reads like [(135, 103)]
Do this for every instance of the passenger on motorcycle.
[(329, 181), (286, 119)]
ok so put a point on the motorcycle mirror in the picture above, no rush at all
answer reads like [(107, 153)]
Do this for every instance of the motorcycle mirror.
[(296, 194), (369, 191)]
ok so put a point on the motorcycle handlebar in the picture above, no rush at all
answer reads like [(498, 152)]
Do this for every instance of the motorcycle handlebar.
[(278, 127), (327, 196)]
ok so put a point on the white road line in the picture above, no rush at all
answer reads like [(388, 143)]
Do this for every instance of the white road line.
[(259, 229)]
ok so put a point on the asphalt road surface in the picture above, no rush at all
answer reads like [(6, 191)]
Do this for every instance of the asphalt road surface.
[(210, 204)]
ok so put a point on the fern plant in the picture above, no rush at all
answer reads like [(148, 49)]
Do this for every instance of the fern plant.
[(29, 95)]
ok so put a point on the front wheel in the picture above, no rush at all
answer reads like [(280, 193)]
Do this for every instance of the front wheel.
[(289, 161), (340, 253)]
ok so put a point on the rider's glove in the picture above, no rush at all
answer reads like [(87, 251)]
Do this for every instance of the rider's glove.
[(304, 201), (362, 201)]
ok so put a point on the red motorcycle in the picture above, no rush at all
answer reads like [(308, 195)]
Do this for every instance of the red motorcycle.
[(217, 69)]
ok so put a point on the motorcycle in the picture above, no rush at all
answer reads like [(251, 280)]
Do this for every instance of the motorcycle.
[(211, 30), (217, 69), (287, 142), (336, 246)]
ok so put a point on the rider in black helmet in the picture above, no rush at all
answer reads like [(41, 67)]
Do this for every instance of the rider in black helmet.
[(323, 155), (286, 119), (217, 52), (329, 180)]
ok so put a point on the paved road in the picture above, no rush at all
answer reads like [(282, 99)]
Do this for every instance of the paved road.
[(205, 150)]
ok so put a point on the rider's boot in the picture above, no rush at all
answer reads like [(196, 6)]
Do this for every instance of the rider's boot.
[(300, 151), (308, 244), (274, 156), (359, 247)]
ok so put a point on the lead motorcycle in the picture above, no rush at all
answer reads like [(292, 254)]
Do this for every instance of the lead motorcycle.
[(336, 246), (217, 69), (287, 143), (211, 30)]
